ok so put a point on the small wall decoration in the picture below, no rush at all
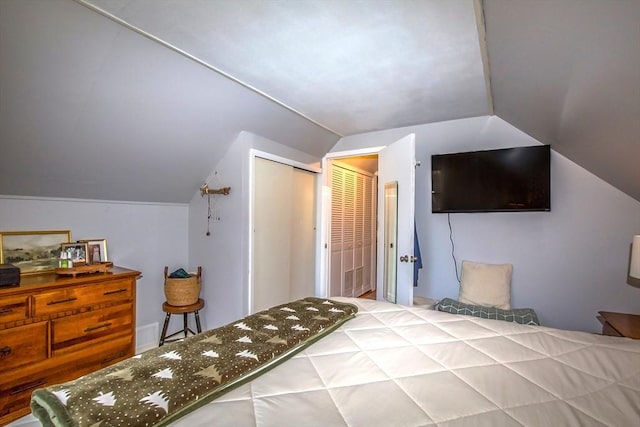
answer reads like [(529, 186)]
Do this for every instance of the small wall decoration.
[(76, 252), (97, 250), (32, 252), (205, 190)]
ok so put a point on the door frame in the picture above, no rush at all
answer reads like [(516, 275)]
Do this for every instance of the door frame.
[(323, 265), (253, 153)]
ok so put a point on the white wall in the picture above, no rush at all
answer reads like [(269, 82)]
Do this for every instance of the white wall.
[(140, 236), (568, 263), (224, 254)]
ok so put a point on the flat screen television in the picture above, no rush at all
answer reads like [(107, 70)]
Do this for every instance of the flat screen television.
[(505, 180)]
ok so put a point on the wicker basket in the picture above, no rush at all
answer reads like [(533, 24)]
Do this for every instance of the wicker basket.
[(182, 292)]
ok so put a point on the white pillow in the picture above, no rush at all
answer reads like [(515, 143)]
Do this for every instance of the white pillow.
[(486, 284)]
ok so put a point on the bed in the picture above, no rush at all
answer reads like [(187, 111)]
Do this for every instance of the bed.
[(408, 366)]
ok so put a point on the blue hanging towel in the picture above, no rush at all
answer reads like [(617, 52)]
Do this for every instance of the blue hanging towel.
[(416, 252)]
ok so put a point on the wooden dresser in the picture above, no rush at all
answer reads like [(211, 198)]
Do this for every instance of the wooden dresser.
[(57, 328), (620, 324)]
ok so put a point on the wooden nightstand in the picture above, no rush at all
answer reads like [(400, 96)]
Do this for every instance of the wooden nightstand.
[(620, 324)]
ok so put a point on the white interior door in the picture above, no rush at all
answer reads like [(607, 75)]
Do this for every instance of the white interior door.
[(271, 234), (396, 162), (303, 234), (283, 255)]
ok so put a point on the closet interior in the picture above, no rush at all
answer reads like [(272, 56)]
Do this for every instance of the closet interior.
[(352, 242)]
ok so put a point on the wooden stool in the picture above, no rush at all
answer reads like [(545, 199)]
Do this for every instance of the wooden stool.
[(185, 310)]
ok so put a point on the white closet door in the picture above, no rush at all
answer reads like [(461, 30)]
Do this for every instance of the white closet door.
[(337, 210), (353, 222), (358, 264), (368, 247), (349, 235), (302, 253), (272, 212)]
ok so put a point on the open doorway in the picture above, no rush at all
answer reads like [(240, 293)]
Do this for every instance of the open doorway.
[(395, 164), (352, 233)]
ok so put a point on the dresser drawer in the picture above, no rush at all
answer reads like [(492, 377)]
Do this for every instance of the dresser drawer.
[(89, 295), (58, 301), (14, 308), (16, 389), (17, 396), (23, 345), (116, 290), (73, 331)]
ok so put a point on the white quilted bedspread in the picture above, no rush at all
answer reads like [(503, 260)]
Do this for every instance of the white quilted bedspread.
[(407, 366)]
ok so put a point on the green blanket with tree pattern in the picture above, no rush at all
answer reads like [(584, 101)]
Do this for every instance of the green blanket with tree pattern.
[(163, 384)]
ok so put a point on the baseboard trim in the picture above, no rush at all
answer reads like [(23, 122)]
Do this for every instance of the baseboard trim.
[(147, 337)]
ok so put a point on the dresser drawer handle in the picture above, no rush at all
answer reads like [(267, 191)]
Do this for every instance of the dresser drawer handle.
[(5, 351), (93, 328), (6, 310), (24, 387), (117, 291), (62, 301)]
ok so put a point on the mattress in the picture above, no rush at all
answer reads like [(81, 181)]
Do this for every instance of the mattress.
[(408, 366)]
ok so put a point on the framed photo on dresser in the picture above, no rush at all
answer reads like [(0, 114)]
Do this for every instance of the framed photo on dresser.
[(97, 250), (76, 252)]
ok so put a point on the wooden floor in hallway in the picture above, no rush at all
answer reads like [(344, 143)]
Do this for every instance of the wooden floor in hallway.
[(368, 295)]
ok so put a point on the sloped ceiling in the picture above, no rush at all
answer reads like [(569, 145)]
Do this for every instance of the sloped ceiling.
[(90, 109), (568, 73), (139, 99), (353, 66)]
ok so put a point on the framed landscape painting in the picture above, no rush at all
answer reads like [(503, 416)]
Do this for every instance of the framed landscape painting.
[(32, 251)]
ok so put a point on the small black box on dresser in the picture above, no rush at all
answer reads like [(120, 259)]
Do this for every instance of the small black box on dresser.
[(9, 275)]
